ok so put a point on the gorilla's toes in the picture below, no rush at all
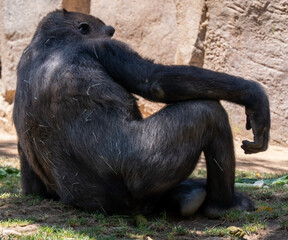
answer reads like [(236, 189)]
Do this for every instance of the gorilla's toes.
[(192, 201)]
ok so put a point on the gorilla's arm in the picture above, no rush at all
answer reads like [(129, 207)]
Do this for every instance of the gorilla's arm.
[(170, 84)]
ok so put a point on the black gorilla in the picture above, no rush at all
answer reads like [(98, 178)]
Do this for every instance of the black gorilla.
[(82, 138)]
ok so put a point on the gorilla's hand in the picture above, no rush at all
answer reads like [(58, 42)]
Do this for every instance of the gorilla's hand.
[(258, 118)]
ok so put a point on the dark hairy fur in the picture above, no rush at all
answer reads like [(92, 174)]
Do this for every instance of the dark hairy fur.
[(82, 138)]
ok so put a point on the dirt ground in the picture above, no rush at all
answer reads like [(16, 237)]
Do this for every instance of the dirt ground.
[(274, 160)]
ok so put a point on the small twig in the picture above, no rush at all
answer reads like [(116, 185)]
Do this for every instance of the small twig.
[(95, 52), (94, 85), (218, 164), (119, 151), (95, 137), (108, 165), (87, 119)]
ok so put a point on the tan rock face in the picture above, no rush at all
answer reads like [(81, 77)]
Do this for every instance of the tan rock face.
[(191, 23), (147, 26), (249, 39)]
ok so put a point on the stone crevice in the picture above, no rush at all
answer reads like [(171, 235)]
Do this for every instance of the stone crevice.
[(198, 53)]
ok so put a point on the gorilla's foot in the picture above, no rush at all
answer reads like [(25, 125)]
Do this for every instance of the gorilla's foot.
[(191, 202), (241, 202)]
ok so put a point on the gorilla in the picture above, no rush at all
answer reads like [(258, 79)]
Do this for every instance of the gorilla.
[(82, 139)]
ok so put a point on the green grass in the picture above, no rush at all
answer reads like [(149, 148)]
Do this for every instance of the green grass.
[(54, 220), (15, 222), (216, 232), (9, 180), (56, 233)]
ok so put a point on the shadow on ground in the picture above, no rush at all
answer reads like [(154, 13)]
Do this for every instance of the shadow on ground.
[(8, 148)]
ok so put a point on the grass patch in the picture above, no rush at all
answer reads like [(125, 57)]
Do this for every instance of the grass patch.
[(56, 233), (254, 227), (15, 222), (9, 180), (55, 220), (217, 232)]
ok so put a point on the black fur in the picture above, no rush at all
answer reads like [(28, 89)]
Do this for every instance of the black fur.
[(82, 138)]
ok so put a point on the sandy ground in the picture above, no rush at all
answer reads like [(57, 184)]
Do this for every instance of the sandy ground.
[(8, 145), (274, 160)]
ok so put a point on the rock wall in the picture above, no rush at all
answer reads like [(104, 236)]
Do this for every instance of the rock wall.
[(240, 37), (148, 26), (191, 31), (250, 39)]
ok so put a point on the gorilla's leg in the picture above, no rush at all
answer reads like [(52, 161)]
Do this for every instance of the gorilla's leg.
[(220, 162), (169, 144), (30, 181)]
